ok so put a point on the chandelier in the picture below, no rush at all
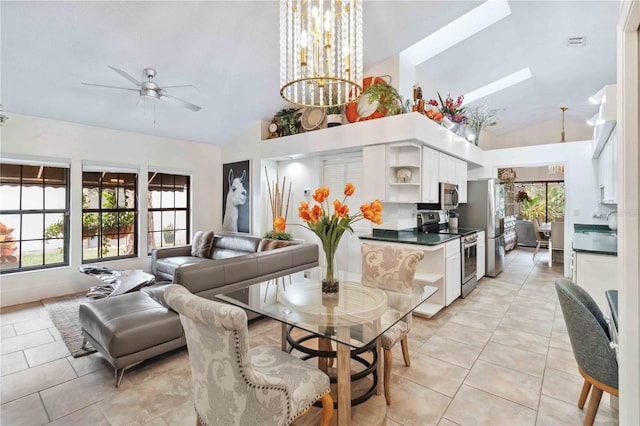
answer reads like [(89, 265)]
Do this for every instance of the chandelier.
[(320, 51), (555, 169)]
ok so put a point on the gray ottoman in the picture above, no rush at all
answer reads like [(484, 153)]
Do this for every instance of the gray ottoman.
[(130, 328)]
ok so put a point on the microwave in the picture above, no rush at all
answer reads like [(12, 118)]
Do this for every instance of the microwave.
[(448, 196)]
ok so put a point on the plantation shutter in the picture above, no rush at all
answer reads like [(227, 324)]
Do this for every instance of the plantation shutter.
[(336, 174)]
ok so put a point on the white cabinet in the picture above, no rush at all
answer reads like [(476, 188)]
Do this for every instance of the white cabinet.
[(452, 170), (393, 172), (404, 172), (447, 167), (461, 180), (374, 160), (430, 175), (481, 253), (607, 171), (453, 272), (596, 273)]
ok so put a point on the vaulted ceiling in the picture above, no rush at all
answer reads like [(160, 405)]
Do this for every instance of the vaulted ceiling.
[(228, 50)]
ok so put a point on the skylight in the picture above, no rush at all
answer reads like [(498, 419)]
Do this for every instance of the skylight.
[(472, 22), (496, 86)]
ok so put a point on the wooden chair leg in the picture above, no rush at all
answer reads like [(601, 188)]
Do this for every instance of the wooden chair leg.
[(327, 409), (586, 387), (388, 363), (405, 350), (592, 409), (198, 422)]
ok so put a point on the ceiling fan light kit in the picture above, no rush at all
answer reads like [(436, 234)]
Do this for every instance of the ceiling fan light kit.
[(320, 51), (148, 89)]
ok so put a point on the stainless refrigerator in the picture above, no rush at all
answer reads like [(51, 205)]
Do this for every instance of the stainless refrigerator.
[(483, 210)]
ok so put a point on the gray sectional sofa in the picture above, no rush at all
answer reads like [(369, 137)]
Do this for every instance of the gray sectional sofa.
[(132, 327)]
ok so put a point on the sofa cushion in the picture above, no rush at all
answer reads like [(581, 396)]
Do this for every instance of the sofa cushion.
[(129, 323), (269, 244), (232, 245), (168, 265), (201, 245)]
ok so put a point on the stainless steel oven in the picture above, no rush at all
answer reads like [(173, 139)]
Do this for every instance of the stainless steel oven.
[(469, 250)]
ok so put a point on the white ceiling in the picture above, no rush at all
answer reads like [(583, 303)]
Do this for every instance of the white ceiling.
[(229, 51)]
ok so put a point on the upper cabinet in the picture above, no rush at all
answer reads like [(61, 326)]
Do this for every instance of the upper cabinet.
[(605, 119), (393, 172), (430, 175), (607, 171), (461, 180)]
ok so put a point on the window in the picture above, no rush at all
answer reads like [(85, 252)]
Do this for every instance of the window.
[(34, 212), (546, 200), (168, 207), (109, 216)]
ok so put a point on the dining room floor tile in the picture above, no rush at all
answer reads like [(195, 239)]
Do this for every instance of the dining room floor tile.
[(501, 356)]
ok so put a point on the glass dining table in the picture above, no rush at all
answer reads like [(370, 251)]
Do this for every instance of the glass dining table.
[(354, 318)]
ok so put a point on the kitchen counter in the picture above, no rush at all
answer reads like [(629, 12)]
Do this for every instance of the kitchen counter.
[(595, 239), (410, 236)]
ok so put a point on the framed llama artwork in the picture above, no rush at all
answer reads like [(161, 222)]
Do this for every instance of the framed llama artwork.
[(236, 192)]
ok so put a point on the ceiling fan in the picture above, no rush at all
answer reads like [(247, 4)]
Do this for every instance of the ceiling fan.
[(149, 89)]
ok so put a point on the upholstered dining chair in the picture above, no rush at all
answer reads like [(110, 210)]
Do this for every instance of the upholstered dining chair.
[(589, 335), (542, 240), (236, 385), (391, 268)]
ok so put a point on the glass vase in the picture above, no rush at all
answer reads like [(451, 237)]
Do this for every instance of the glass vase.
[(330, 273)]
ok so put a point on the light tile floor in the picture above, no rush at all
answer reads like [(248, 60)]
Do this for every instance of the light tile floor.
[(498, 357)]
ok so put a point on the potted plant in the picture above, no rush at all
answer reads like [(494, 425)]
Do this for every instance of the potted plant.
[(289, 121), (388, 98), (334, 115)]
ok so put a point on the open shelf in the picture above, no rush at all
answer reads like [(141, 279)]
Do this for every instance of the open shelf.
[(428, 309), (428, 278)]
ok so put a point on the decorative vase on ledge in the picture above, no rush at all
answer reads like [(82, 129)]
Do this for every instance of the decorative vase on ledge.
[(334, 120)]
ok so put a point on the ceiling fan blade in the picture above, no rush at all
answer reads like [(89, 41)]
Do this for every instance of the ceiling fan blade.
[(126, 75), (180, 102), (110, 87)]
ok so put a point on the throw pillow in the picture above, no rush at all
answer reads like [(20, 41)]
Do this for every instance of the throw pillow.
[(201, 245)]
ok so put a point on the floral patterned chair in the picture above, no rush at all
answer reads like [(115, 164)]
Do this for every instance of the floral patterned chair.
[(391, 268), (235, 385)]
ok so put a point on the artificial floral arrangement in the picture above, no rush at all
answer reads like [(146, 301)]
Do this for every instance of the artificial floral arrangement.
[(276, 201), (330, 227), (480, 118), (522, 196), (451, 109)]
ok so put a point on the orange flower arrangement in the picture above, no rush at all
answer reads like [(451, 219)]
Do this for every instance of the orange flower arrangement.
[(330, 227)]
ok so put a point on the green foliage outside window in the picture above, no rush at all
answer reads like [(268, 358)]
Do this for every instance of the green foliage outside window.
[(546, 205)]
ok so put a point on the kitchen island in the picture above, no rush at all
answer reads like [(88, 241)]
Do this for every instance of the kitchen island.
[(440, 266)]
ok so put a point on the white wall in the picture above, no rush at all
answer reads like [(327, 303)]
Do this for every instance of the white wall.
[(580, 178), (547, 132), (35, 138)]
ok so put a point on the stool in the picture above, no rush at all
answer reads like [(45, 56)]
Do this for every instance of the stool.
[(129, 329)]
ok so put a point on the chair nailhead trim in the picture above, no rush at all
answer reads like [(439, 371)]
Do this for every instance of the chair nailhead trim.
[(253, 385)]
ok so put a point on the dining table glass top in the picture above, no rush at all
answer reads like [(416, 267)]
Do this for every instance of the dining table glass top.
[(366, 311)]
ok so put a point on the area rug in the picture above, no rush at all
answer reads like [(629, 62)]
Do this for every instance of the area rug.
[(63, 312)]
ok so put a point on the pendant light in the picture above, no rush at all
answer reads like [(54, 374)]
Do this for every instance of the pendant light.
[(562, 134), (320, 51)]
